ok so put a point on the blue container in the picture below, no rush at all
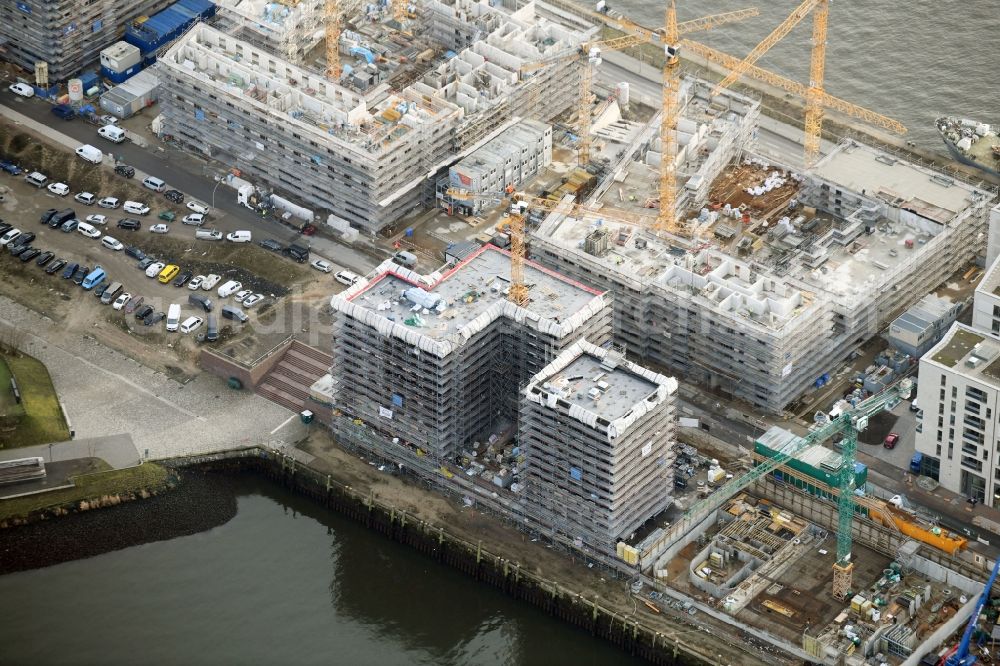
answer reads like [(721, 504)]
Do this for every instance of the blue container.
[(121, 77)]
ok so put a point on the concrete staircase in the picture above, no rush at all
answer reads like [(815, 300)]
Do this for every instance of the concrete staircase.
[(288, 382)]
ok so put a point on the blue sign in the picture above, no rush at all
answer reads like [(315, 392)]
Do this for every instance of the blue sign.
[(23, 6), (397, 400), (575, 473)]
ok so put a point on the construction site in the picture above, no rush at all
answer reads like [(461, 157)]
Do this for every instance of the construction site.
[(361, 133)]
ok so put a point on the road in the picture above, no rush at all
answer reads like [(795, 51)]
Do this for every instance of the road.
[(194, 177)]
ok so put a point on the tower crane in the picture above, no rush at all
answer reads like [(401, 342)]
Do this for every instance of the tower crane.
[(332, 19), (849, 424), (518, 289), (817, 68), (589, 53)]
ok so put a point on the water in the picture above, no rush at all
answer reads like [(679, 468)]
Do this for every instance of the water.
[(282, 582), (912, 61)]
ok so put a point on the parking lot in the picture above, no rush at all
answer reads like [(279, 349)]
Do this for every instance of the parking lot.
[(258, 270)]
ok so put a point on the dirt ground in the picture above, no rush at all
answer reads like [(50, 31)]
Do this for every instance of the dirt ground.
[(497, 537), (295, 293)]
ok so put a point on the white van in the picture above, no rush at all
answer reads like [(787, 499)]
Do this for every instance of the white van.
[(89, 153), (112, 243), (88, 230), (210, 281), (173, 317), (238, 237), (154, 183), (37, 179), (112, 133), (208, 234), (135, 208), (229, 288)]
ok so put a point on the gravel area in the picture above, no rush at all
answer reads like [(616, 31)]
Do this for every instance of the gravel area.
[(106, 393)]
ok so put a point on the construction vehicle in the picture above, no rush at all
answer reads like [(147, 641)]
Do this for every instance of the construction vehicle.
[(961, 656), (848, 424)]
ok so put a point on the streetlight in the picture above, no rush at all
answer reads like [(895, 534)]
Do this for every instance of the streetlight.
[(218, 181)]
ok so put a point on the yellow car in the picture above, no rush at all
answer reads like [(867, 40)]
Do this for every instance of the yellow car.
[(168, 273)]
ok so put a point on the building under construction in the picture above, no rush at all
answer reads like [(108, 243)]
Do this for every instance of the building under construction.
[(787, 273), (597, 433), (368, 147), (434, 362), (68, 35)]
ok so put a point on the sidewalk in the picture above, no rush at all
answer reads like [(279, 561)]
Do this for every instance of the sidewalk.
[(117, 450)]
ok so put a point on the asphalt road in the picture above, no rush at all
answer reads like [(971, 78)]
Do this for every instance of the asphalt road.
[(194, 177)]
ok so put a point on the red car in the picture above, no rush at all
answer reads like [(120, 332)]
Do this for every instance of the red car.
[(891, 440)]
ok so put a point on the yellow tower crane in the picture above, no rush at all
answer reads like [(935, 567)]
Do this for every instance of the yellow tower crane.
[(399, 10), (589, 54), (518, 288), (817, 68), (332, 19)]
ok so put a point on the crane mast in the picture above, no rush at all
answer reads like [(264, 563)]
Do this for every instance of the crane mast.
[(332, 20)]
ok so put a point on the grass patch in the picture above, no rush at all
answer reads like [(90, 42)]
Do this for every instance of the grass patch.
[(148, 476), (43, 420)]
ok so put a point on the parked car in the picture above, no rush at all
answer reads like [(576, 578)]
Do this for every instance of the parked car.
[(22, 89), (208, 234), (10, 168), (168, 273), (134, 252), (86, 198), (64, 111), (154, 269), (112, 244), (135, 208), (111, 293), (159, 228), (100, 289), (47, 215), (142, 312), (197, 207), (97, 219), (321, 265), (252, 300), (59, 189), (54, 266), (80, 274), (154, 183), (29, 254), (112, 133), (272, 245), (183, 278), (145, 263), (5, 227), (109, 202), (195, 282), (36, 179), (70, 270), (44, 258), (24, 238), (891, 440), (132, 304), (346, 278), (210, 281), (121, 301), (60, 218), (229, 288), (201, 301), (297, 253), (125, 171), (233, 312), (196, 219), (242, 236), (174, 196), (87, 230), (9, 236), (129, 224), (308, 230), (241, 295), (70, 225), (16, 249), (153, 318), (90, 154), (191, 324)]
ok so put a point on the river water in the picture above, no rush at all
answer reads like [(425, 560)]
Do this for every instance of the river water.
[(281, 582), (912, 61)]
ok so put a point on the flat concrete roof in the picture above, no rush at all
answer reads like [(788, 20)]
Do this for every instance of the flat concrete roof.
[(969, 353), (467, 291), (608, 393), (857, 167)]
